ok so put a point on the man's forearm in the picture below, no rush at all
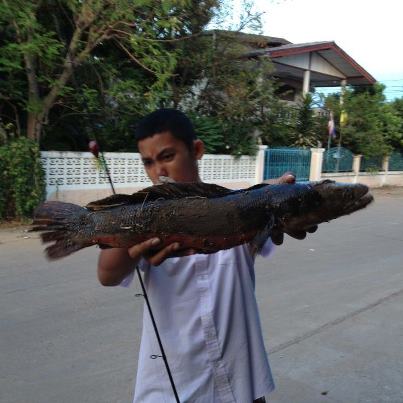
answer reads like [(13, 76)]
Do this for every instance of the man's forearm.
[(114, 265)]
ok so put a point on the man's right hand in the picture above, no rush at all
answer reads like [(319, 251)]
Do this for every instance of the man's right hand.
[(117, 263), (147, 250)]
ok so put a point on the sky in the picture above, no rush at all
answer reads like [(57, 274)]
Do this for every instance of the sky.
[(370, 31)]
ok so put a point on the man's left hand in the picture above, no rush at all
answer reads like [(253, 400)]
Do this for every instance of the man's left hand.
[(277, 236)]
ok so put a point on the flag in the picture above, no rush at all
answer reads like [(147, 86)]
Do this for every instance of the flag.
[(343, 118), (331, 126)]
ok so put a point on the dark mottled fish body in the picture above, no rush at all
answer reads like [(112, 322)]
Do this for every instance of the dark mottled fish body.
[(203, 217)]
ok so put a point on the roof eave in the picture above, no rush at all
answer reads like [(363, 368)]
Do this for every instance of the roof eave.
[(275, 53)]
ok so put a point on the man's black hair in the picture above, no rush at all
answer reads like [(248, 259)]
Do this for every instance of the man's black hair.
[(167, 120)]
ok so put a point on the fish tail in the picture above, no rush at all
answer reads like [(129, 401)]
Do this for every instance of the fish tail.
[(58, 222)]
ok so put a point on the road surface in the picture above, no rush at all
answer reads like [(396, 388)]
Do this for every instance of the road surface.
[(331, 309)]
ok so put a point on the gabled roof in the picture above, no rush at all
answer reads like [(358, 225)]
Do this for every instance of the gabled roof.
[(336, 63)]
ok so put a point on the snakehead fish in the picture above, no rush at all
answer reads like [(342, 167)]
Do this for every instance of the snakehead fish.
[(204, 217)]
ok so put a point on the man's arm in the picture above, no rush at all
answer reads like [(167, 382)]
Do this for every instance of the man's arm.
[(117, 263)]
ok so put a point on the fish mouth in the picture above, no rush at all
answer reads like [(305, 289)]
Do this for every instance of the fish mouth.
[(360, 190), (360, 202)]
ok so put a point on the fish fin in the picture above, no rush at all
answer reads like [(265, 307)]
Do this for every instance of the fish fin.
[(258, 186), (54, 220), (55, 212), (62, 248), (257, 243), (115, 201), (163, 191), (181, 190)]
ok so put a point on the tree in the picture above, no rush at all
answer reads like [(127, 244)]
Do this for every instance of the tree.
[(309, 127), (396, 139), (371, 122), (44, 43), (220, 83)]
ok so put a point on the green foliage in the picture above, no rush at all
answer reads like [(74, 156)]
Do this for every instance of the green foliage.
[(240, 139), (396, 139), (21, 178), (210, 130), (61, 60), (308, 127), (372, 126), (216, 82)]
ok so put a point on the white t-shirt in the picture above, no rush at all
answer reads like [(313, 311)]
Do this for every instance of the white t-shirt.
[(206, 312)]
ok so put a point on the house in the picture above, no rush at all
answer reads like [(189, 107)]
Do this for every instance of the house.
[(304, 66), (316, 64)]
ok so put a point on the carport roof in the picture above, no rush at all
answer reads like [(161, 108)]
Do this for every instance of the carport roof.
[(330, 52)]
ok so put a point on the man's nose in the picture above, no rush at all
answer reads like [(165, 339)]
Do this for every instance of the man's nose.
[(161, 170)]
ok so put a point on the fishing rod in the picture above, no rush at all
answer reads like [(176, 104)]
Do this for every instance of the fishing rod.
[(95, 150)]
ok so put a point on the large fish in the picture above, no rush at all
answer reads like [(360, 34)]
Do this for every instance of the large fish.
[(200, 216)]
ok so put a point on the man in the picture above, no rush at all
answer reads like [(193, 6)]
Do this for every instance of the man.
[(204, 305)]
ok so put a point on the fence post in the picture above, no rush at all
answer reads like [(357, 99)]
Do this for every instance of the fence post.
[(385, 163), (260, 158), (357, 163), (315, 171)]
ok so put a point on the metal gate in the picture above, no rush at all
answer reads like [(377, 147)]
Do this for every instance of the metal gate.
[(280, 160), (337, 159)]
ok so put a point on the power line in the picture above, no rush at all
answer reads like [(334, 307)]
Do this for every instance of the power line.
[(397, 79)]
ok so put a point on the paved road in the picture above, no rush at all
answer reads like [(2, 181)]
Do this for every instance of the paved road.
[(331, 309)]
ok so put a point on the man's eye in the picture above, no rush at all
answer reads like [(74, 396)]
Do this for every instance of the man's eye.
[(168, 157), (147, 163)]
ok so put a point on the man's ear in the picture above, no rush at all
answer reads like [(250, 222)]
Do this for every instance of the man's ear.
[(198, 148)]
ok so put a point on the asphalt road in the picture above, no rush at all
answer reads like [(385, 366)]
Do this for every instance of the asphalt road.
[(331, 310)]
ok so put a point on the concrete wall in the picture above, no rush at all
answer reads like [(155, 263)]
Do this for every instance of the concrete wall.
[(75, 178), (373, 180)]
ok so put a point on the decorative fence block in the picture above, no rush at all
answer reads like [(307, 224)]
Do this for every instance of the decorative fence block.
[(80, 170)]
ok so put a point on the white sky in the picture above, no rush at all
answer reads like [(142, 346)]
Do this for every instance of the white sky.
[(370, 31)]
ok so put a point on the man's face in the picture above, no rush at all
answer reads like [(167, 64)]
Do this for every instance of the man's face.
[(165, 155)]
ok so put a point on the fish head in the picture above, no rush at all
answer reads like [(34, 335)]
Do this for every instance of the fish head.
[(342, 197), (324, 201)]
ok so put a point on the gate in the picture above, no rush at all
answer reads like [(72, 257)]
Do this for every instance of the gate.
[(337, 159), (280, 160)]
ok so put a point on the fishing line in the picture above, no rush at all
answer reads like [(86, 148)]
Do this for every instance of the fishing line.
[(105, 166), (164, 357)]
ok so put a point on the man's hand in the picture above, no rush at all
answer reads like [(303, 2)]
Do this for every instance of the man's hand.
[(150, 252), (117, 263), (287, 177), (277, 236)]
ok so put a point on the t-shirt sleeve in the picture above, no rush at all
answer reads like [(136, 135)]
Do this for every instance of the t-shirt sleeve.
[(127, 281)]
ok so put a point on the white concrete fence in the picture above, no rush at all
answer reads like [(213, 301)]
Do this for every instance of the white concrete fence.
[(76, 177)]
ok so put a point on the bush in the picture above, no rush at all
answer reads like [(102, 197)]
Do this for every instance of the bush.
[(22, 185)]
